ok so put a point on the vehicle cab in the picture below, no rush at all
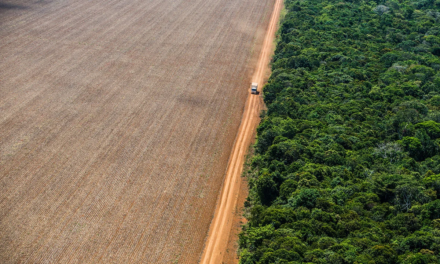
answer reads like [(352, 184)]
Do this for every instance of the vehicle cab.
[(254, 87)]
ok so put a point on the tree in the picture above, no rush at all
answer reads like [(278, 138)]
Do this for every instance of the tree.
[(306, 198), (381, 9)]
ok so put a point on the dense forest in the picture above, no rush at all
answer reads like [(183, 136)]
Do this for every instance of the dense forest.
[(347, 160)]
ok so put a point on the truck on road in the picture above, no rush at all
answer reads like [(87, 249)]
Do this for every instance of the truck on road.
[(254, 87)]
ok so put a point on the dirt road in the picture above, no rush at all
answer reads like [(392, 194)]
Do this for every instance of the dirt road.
[(215, 248), (117, 119)]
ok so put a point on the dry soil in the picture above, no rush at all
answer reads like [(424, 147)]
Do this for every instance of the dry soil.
[(117, 119)]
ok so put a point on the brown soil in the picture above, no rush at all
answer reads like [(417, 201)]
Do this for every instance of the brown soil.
[(117, 119), (238, 220), (226, 216)]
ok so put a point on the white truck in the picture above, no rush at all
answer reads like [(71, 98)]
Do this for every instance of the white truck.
[(254, 87)]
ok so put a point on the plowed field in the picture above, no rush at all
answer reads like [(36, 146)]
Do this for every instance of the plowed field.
[(116, 122)]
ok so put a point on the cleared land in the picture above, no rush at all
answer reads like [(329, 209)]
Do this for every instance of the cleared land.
[(217, 243), (117, 119)]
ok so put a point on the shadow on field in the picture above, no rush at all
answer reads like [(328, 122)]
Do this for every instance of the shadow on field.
[(9, 6)]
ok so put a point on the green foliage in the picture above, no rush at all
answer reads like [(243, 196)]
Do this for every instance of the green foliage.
[(432, 128), (305, 197), (347, 163)]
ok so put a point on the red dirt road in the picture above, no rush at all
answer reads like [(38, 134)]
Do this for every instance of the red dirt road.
[(216, 245), (117, 119)]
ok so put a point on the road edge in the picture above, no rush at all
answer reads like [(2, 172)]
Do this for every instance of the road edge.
[(221, 225)]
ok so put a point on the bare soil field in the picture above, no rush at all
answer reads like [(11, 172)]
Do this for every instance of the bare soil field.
[(117, 119), (220, 245)]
